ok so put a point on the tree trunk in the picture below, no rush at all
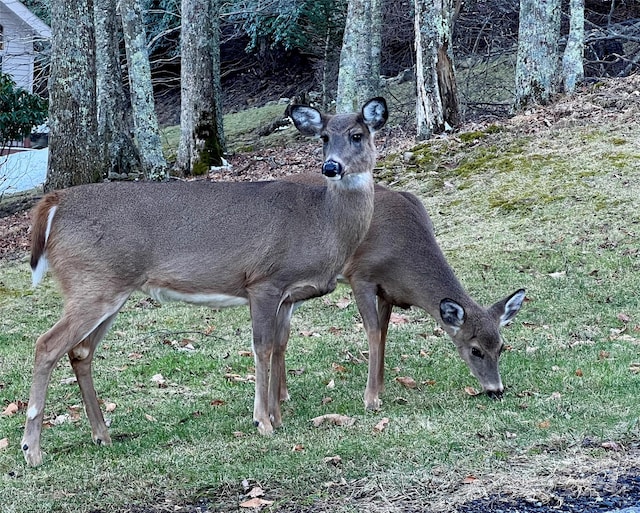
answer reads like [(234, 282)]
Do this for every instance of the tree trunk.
[(438, 107), (572, 60), (118, 151), (73, 138), (201, 132), (537, 61), (359, 75), (145, 121)]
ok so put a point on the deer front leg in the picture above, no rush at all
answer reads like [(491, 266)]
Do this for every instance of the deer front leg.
[(277, 383)]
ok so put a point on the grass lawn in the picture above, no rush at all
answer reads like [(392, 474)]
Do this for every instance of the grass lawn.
[(555, 210)]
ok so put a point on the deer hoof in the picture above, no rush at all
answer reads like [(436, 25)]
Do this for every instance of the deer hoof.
[(32, 457), (263, 428)]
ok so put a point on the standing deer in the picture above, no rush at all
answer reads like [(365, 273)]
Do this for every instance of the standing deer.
[(399, 263), (265, 244)]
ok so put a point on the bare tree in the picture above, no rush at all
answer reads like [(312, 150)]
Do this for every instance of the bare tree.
[(118, 151), (572, 59), (201, 131), (537, 61), (437, 92), (145, 121), (359, 75), (73, 142)]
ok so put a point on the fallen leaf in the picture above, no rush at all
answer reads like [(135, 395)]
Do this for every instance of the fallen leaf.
[(611, 446), (333, 418), (335, 331), (398, 318), (256, 503), (297, 448), (557, 275), (135, 356), (69, 381), (326, 400), (209, 330), (307, 333), (256, 491), (623, 317), (4, 443), (555, 396), (429, 382), (331, 384), (109, 407), (11, 409), (407, 381), (333, 460), (217, 402), (469, 479), (150, 418), (509, 434), (603, 355), (159, 380), (579, 373), (471, 391), (634, 368), (545, 424), (338, 368), (343, 303), (245, 353), (380, 426)]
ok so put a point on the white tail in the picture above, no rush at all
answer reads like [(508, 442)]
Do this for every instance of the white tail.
[(399, 263), (266, 244)]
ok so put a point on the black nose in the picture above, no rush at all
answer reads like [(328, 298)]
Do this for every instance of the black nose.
[(331, 168), (494, 394)]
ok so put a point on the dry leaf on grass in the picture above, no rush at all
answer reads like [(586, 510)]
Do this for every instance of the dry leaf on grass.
[(333, 418), (4, 443), (109, 407), (407, 381), (256, 503), (398, 318), (469, 479), (333, 460), (471, 391), (381, 426), (159, 380), (343, 303), (256, 491), (611, 446), (11, 409)]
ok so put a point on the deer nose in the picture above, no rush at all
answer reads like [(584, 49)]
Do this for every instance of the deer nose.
[(331, 169)]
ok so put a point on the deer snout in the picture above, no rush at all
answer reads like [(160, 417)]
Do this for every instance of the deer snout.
[(332, 169)]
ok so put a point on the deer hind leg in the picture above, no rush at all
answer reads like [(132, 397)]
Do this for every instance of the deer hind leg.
[(365, 294), (81, 358), (67, 333)]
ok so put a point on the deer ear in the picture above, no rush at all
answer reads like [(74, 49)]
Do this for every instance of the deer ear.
[(375, 113), (509, 307), (452, 314), (306, 119)]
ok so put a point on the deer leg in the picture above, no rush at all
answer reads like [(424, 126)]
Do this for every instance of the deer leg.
[(264, 312), (81, 358), (60, 339), (365, 294), (278, 368)]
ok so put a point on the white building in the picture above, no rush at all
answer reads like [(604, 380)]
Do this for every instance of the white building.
[(19, 30)]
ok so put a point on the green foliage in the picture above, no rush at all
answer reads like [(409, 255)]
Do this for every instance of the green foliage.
[(292, 24), (19, 111)]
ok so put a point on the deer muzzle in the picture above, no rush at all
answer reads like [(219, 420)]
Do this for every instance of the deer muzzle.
[(332, 169)]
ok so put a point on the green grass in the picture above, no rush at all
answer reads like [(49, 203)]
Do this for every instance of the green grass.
[(556, 213)]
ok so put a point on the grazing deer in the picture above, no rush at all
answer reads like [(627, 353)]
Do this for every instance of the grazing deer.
[(266, 244), (400, 263)]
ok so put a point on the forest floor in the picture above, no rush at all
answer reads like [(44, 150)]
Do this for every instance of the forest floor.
[(583, 489)]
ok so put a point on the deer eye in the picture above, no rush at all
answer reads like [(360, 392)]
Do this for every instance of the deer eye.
[(476, 352), (356, 138)]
